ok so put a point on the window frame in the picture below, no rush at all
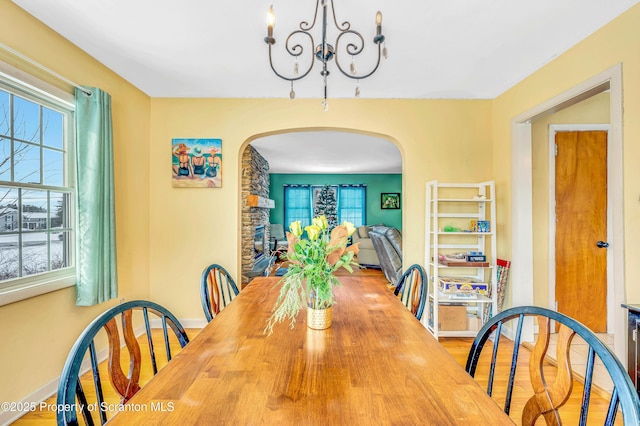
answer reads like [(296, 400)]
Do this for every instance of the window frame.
[(340, 207), (31, 88), (288, 187)]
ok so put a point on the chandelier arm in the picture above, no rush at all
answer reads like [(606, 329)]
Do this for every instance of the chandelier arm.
[(293, 50), (356, 77), (303, 75), (352, 48), (304, 25), (345, 26)]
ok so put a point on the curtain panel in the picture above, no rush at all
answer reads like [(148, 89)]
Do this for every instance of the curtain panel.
[(97, 279)]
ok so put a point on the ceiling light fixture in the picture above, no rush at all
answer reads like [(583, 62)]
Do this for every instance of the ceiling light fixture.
[(324, 52)]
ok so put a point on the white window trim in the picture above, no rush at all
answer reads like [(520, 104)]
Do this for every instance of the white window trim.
[(23, 79), (36, 285)]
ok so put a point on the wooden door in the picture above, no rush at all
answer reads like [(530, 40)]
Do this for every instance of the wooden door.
[(581, 222)]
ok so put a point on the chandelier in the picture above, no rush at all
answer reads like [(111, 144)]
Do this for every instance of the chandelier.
[(324, 51)]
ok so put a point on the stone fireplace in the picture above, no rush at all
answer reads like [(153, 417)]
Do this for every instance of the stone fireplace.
[(255, 181), (260, 244)]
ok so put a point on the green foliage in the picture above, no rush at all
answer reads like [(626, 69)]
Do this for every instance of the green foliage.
[(309, 280)]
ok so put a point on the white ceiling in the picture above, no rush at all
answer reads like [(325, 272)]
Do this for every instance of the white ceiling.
[(213, 48), (329, 152)]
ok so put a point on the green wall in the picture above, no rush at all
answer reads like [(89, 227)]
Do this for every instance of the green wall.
[(376, 184)]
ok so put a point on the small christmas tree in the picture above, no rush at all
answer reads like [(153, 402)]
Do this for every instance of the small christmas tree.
[(326, 205)]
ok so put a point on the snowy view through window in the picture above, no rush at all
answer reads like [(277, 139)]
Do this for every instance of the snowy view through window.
[(35, 198)]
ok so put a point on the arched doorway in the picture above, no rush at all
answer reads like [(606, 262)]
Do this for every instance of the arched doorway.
[(317, 156)]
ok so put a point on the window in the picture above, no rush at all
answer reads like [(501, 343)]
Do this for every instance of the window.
[(36, 187), (350, 203), (297, 204)]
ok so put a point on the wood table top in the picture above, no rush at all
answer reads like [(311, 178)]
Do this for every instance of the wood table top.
[(376, 365)]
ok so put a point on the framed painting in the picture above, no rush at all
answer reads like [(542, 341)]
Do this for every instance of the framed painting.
[(196, 163), (390, 200)]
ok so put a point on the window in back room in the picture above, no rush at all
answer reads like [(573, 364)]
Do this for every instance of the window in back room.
[(300, 202)]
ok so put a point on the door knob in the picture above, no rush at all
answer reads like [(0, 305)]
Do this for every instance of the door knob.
[(602, 244)]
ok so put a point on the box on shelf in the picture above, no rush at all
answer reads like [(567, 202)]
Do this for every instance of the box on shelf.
[(452, 317), (476, 258), (453, 284), (473, 322)]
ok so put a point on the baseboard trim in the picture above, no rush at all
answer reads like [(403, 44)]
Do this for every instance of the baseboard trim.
[(186, 323), (193, 322)]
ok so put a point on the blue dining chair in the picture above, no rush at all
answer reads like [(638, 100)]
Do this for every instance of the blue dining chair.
[(548, 397), (116, 325), (412, 289), (217, 290)]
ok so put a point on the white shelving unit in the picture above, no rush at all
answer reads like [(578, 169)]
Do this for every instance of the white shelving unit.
[(450, 210)]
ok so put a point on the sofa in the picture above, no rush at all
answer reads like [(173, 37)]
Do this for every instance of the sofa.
[(367, 253), (387, 243)]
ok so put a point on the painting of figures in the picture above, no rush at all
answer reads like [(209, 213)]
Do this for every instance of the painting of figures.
[(196, 163)]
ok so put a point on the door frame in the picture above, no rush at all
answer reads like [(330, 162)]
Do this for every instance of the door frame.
[(521, 195), (553, 129)]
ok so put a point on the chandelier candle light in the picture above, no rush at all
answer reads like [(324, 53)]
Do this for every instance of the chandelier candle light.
[(324, 51)]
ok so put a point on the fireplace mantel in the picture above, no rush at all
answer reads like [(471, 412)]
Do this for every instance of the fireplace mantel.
[(258, 201)]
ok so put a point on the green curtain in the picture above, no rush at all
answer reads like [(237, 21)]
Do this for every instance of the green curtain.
[(97, 279)]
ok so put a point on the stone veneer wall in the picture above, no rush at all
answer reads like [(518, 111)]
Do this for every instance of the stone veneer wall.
[(255, 180)]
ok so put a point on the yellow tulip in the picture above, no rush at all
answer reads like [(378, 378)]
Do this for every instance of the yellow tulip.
[(313, 231), (296, 228), (321, 222), (350, 227)]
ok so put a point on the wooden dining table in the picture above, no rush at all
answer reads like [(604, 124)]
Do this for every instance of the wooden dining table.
[(376, 365)]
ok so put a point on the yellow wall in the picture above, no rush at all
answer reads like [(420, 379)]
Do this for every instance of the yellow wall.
[(615, 43), (594, 110), (192, 228), (36, 334)]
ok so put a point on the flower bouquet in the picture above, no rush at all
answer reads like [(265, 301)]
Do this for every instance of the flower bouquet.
[(312, 261)]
